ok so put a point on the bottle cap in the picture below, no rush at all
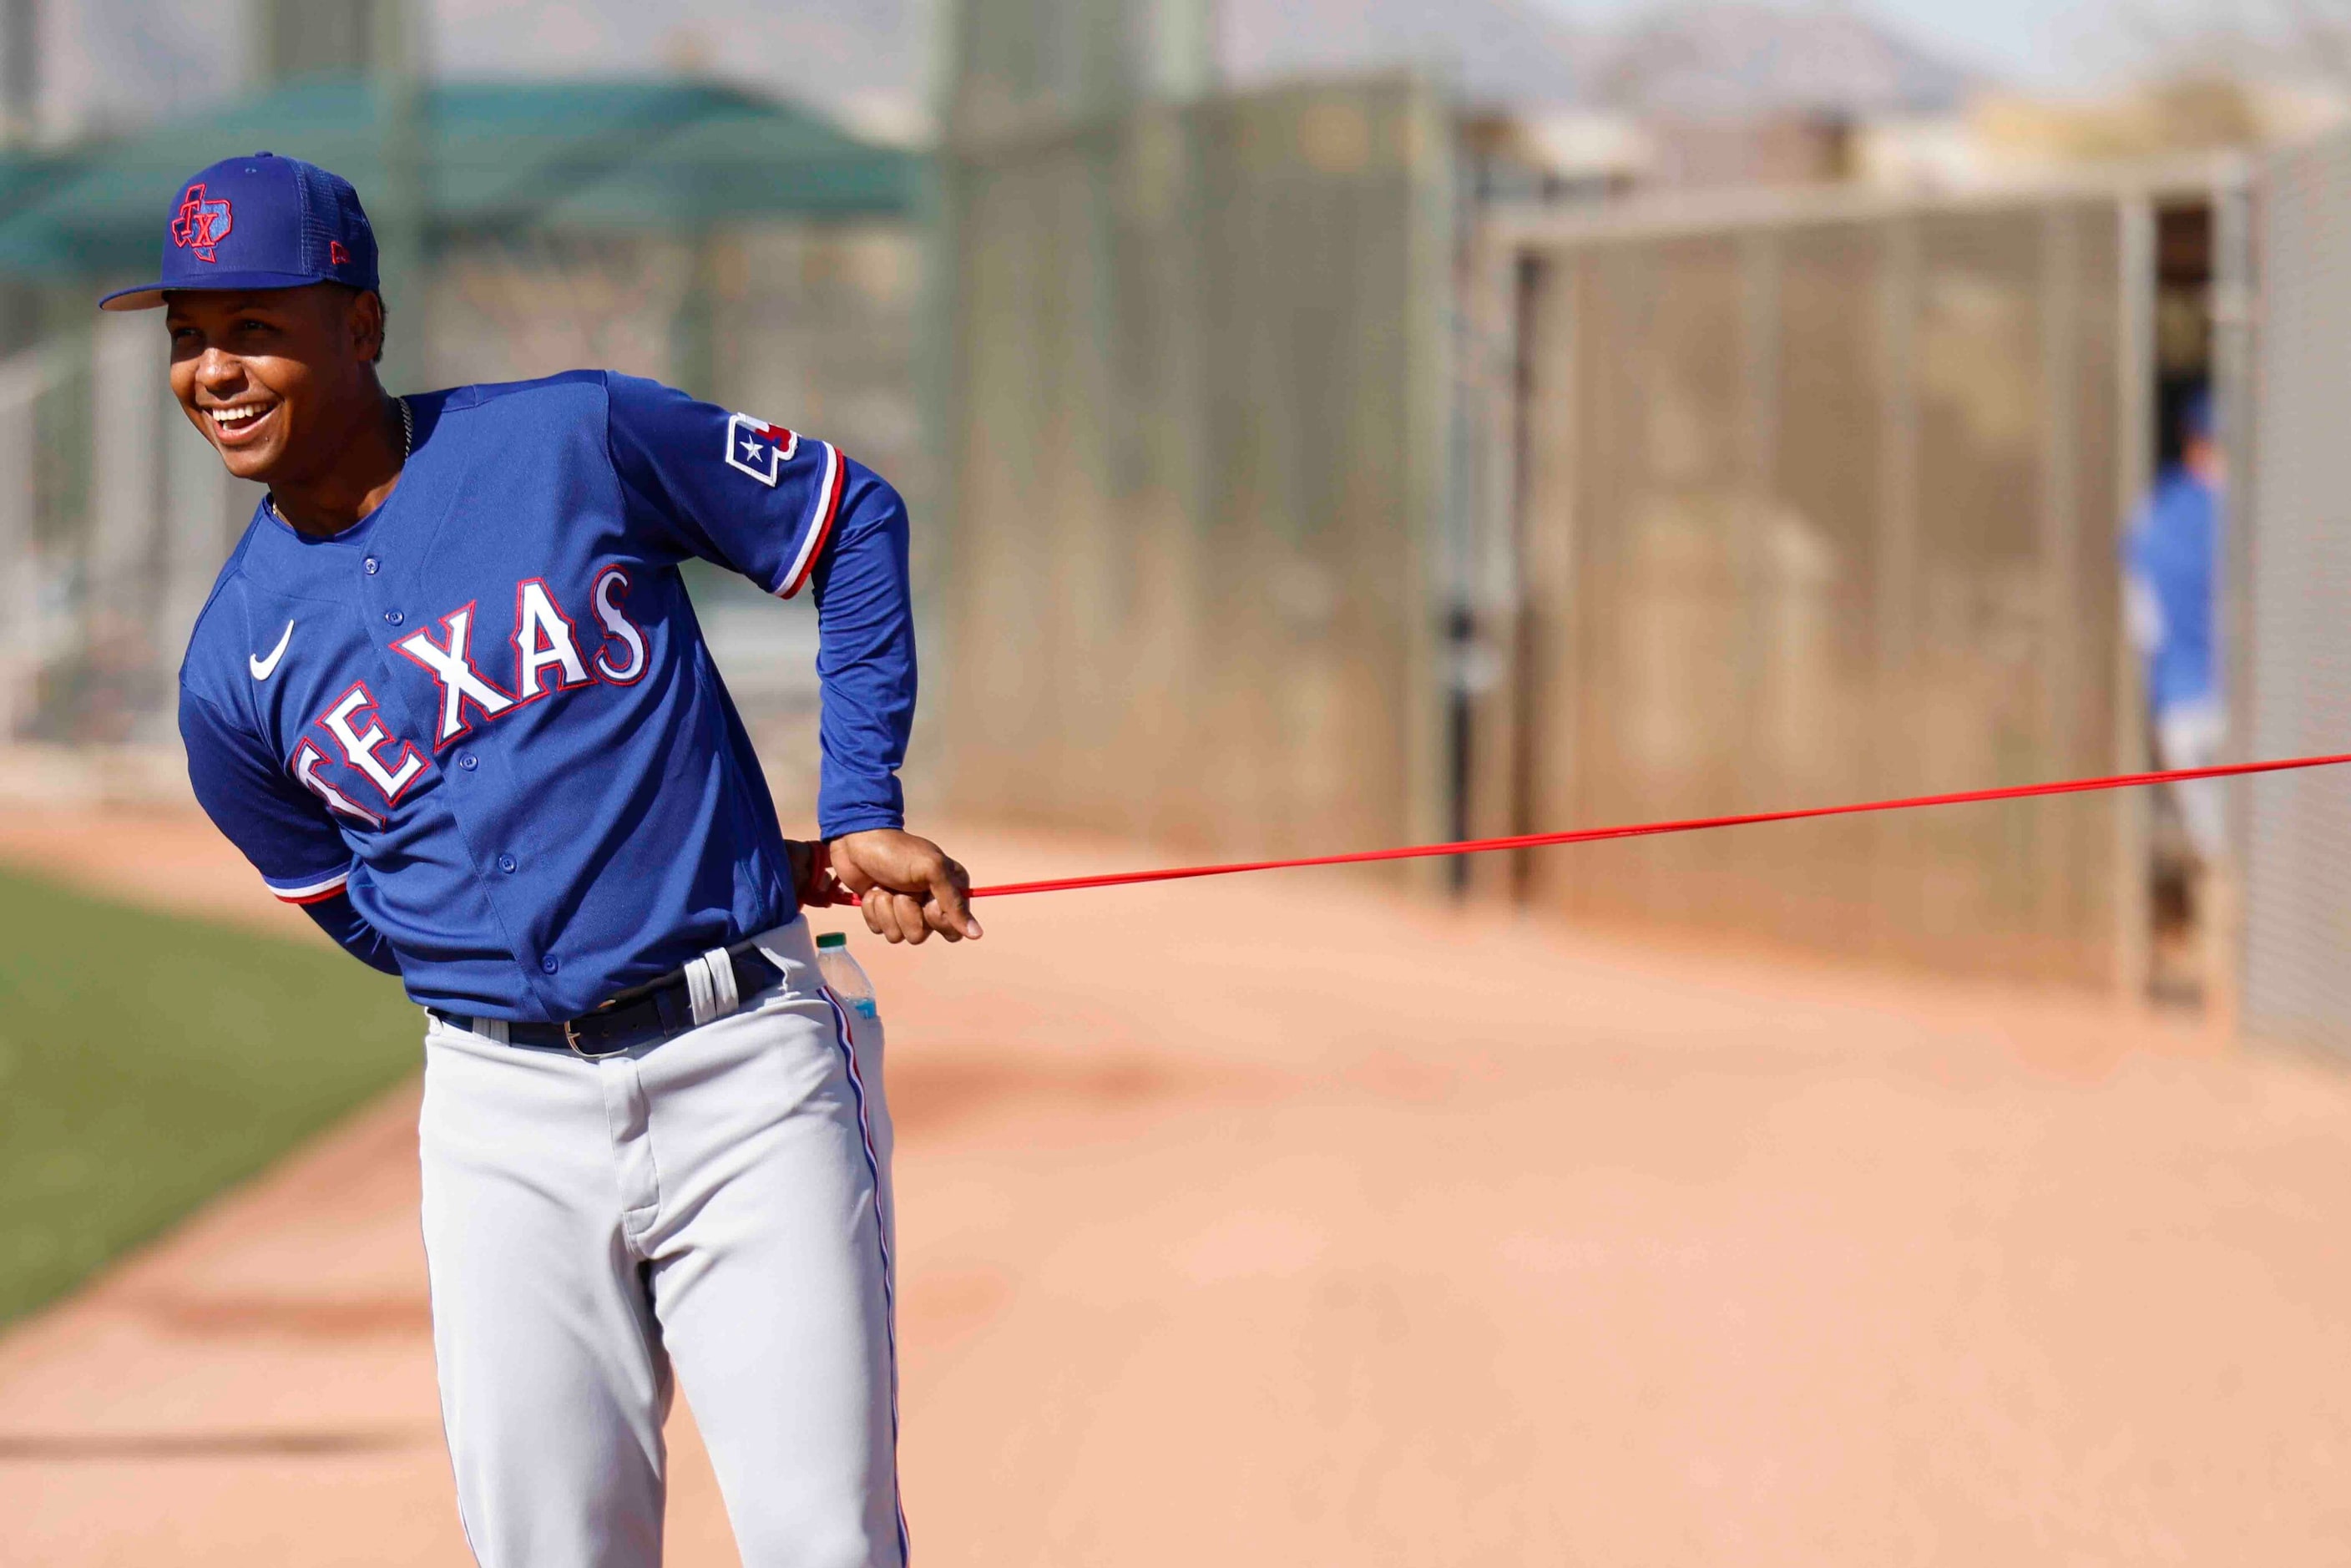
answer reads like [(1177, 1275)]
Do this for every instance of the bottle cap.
[(833, 939)]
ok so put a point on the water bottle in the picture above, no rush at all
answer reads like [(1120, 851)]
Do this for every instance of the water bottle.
[(844, 976), (846, 979)]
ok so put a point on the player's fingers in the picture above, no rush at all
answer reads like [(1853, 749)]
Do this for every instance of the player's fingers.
[(947, 922), (891, 907), (912, 926), (879, 915), (950, 907)]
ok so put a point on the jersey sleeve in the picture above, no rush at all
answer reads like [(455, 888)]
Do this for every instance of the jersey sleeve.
[(335, 915), (864, 660), (282, 827), (736, 491)]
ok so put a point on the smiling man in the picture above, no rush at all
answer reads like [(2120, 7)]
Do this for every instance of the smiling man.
[(449, 695)]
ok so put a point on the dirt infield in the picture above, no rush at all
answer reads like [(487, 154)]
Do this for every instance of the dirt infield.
[(1282, 1221)]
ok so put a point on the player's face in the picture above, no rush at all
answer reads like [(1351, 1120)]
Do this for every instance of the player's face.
[(278, 379)]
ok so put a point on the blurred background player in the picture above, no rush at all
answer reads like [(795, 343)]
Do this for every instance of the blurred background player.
[(2171, 558)]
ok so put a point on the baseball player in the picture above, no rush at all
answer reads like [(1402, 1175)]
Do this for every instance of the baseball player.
[(2170, 560), (449, 695)]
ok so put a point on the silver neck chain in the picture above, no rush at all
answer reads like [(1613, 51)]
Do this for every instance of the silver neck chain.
[(407, 447)]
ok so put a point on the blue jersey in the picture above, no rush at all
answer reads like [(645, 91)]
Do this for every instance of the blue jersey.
[(485, 715), (2171, 554)]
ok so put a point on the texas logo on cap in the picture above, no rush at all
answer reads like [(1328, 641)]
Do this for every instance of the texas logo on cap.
[(200, 224), (259, 221)]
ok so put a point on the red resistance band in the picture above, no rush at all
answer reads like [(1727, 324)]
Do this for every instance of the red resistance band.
[(1644, 830)]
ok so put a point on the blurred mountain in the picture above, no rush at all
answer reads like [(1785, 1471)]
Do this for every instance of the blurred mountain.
[(1741, 60), (1495, 51), (1733, 59), (863, 61)]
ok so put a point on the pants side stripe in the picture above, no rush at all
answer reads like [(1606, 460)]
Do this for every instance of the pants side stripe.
[(882, 1234)]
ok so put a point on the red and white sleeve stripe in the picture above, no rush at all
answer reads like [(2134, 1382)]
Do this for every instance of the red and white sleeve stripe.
[(820, 529), (312, 891)]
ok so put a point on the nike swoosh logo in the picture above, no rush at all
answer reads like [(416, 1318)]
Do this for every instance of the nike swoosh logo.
[(265, 668)]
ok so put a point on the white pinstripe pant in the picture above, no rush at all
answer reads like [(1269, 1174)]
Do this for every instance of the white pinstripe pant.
[(718, 1203)]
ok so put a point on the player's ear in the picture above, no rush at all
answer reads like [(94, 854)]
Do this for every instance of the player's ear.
[(365, 322)]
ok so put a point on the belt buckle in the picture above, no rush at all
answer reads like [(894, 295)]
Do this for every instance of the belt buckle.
[(578, 1045)]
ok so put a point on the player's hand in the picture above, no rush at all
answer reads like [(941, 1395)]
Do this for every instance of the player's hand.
[(813, 884), (907, 885)]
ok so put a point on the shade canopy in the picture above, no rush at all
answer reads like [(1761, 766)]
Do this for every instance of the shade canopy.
[(579, 157)]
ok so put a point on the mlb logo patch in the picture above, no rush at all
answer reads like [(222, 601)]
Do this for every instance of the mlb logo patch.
[(758, 448)]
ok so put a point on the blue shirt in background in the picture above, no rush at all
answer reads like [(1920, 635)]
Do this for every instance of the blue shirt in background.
[(2171, 555)]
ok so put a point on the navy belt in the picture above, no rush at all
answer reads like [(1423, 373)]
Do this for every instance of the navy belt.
[(653, 1011)]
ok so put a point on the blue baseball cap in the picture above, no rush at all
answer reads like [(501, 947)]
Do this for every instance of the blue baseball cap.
[(260, 222)]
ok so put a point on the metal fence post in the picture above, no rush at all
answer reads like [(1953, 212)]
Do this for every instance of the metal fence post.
[(2234, 345), (2133, 446), (22, 379), (126, 420)]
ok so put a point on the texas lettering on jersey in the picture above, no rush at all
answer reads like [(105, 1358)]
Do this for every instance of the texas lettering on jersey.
[(549, 655), (484, 714)]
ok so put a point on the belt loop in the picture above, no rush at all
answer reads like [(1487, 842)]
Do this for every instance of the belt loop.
[(710, 987), (493, 1030), (722, 995)]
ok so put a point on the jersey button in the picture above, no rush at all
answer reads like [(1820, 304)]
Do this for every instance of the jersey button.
[(469, 762), (547, 965), (369, 565), (394, 616), (507, 863)]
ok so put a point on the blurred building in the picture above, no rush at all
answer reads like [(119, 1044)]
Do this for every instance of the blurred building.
[(1737, 94)]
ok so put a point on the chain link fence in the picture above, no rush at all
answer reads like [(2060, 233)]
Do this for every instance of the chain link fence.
[(1196, 422), (1817, 500), (2295, 686)]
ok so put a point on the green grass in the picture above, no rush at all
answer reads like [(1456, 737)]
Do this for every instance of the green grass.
[(147, 1060)]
